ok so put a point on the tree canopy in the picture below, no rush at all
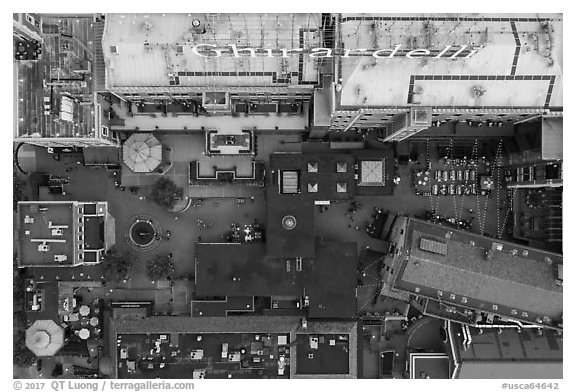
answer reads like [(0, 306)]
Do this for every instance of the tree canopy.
[(118, 266), (165, 192), (160, 267)]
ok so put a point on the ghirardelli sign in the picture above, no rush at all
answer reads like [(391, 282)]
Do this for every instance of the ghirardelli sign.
[(448, 52)]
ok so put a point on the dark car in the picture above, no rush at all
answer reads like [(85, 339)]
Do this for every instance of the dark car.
[(387, 363)]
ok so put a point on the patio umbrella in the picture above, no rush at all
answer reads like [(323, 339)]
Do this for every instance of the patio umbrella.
[(142, 153), (84, 310), (44, 338), (94, 321), (84, 334)]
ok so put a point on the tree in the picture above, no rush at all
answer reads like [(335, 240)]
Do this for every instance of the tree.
[(160, 267), (118, 266), (22, 356), (165, 193)]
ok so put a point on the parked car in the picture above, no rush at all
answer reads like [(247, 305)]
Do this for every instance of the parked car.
[(387, 363)]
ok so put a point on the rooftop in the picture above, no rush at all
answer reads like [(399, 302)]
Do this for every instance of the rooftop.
[(276, 335), (325, 171), (509, 354), (429, 365), (190, 355), (297, 241), (516, 61), (67, 233), (481, 273), (145, 50), (322, 354), (49, 224), (552, 137), (329, 279), (229, 269)]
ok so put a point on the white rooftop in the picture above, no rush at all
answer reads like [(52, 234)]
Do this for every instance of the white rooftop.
[(146, 50), (368, 81)]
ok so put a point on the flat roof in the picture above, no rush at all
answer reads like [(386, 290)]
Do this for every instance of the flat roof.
[(329, 170), (169, 324), (297, 242), (218, 264), (552, 137), (260, 359), (237, 270), (508, 353), (36, 223), (479, 275), (141, 50), (221, 307), (332, 283), (94, 232), (329, 355), (429, 365), (516, 64)]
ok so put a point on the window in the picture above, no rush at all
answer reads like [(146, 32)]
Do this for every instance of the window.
[(440, 293), (452, 296), (464, 300), (494, 307), (105, 131)]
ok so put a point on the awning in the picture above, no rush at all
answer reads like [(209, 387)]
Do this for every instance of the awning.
[(44, 338), (142, 153)]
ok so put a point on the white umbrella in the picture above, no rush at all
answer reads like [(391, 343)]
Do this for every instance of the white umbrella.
[(94, 321), (84, 310), (84, 334), (44, 338), (142, 152)]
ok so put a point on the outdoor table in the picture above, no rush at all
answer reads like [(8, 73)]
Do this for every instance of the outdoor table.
[(84, 310), (84, 321)]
